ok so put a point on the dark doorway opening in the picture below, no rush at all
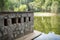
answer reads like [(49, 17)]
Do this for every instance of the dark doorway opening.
[(19, 20), (5, 22), (24, 19), (13, 20), (29, 18)]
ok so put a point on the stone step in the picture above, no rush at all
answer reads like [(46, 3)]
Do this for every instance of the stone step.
[(30, 36)]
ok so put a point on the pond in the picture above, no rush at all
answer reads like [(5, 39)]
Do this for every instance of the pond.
[(49, 26)]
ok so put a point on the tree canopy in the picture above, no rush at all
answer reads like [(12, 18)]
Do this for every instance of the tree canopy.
[(34, 5)]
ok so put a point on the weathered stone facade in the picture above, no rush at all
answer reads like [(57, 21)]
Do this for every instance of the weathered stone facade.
[(15, 24)]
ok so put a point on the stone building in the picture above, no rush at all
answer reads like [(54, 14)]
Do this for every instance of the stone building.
[(15, 24)]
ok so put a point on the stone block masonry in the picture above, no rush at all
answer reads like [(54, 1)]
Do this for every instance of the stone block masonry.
[(15, 24)]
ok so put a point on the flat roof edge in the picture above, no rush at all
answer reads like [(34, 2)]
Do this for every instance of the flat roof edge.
[(15, 12)]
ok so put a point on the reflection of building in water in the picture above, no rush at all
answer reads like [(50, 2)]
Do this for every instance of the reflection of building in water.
[(15, 24)]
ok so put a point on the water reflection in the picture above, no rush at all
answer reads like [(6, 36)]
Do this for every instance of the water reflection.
[(47, 24), (49, 36)]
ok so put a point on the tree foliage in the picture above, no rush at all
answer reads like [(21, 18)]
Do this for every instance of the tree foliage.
[(3, 4), (21, 8), (35, 5)]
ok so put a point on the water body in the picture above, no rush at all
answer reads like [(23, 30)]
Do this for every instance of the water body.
[(49, 36), (49, 26)]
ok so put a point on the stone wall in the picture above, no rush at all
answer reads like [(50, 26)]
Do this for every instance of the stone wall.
[(15, 24)]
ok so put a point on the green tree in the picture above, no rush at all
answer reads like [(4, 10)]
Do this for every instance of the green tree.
[(54, 7), (22, 8), (47, 5), (3, 4), (35, 5)]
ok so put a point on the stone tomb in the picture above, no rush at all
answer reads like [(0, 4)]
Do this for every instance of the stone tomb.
[(15, 24)]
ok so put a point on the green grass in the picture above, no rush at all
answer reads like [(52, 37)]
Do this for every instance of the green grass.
[(47, 24)]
